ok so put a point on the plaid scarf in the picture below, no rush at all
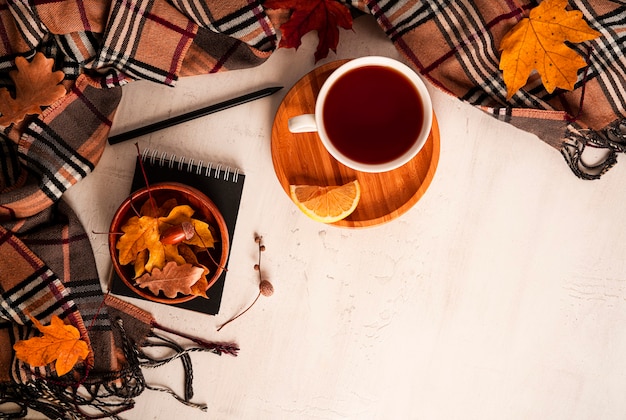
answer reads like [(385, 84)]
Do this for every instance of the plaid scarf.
[(47, 266), (455, 45), (46, 263)]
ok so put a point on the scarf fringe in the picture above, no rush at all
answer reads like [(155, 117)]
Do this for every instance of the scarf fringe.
[(103, 395), (612, 139), (179, 353)]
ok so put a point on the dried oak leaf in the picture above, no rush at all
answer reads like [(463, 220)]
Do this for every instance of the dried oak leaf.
[(60, 342), (36, 85), (172, 279), (323, 16), (538, 43)]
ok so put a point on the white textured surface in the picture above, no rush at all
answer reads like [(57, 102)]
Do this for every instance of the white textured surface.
[(500, 295)]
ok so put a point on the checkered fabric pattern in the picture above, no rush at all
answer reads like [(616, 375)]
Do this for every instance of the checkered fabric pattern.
[(118, 41), (100, 46), (31, 287), (46, 270), (46, 263)]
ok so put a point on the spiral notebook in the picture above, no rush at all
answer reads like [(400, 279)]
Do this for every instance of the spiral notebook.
[(222, 184)]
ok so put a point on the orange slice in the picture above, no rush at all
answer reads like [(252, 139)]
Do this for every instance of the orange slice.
[(326, 204)]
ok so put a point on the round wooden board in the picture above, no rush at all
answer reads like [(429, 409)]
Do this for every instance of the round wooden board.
[(301, 159)]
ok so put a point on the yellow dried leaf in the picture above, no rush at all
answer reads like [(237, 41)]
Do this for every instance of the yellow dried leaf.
[(140, 263), (172, 254), (141, 242), (177, 215), (201, 286), (60, 342), (139, 233), (36, 85), (538, 43), (203, 237)]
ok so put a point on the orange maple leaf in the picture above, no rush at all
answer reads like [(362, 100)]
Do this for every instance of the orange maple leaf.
[(36, 85), (538, 43), (323, 16), (60, 342)]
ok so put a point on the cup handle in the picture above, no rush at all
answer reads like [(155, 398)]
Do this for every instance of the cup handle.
[(302, 124)]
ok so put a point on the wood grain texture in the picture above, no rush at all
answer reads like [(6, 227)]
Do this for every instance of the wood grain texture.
[(302, 159)]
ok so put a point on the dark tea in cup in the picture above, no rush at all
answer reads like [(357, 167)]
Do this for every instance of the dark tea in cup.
[(372, 114)]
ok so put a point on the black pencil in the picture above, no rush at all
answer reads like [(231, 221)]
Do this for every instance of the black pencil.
[(118, 138)]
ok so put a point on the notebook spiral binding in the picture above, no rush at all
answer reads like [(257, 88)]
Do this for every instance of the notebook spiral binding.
[(182, 164)]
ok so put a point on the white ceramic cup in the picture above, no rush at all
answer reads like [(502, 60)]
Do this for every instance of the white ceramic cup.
[(420, 123)]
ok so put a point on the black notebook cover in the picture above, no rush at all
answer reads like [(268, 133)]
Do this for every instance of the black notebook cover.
[(222, 184)]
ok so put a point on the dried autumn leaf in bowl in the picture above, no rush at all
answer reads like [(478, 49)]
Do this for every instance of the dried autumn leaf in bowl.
[(168, 243)]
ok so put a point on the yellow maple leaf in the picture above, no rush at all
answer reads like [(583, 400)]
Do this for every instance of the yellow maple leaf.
[(141, 233), (60, 342), (36, 85), (177, 215), (140, 262), (141, 243), (203, 237), (538, 43)]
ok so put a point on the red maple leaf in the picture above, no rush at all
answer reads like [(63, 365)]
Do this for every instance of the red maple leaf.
[(323, 16)]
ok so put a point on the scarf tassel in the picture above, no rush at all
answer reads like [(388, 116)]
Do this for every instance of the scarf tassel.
[(612, 140), (106, 395)]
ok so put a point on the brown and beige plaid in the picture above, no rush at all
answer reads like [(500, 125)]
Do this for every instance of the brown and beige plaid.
[(455, 45), (46, 264)]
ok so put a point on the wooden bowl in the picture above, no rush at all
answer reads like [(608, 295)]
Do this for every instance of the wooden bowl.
[(205, 210)]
